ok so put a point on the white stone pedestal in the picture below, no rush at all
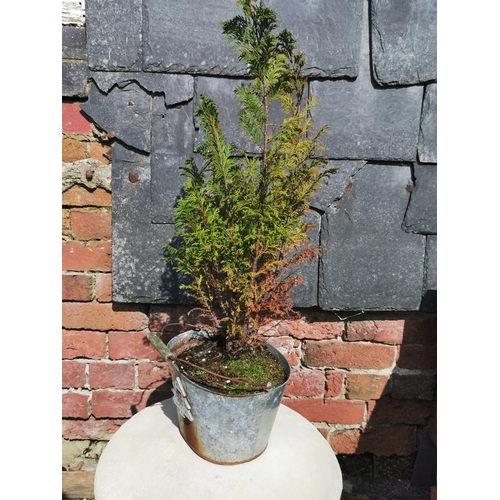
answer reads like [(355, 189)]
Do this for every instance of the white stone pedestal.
[(147, 459)]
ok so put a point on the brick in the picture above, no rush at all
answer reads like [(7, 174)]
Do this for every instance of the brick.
[(93, 256), (350, 355), (393, 411), (73, 374), (96, 316), (366, 386), (385, 331), (289, 347), (413, 386), (66, 222), (73, 120), (103, 287), (91, 224), (415, 357), (331, 411), (388, 440), (83, 344), (154, 375), (77, 287), (344, 442), (80, 196), (334, 383), (118, 404), (73, 150), (99, 430), (127, 345), (309, 383), (111, 375), (420, 331), (100, 152), (75, 405), (315, 330)]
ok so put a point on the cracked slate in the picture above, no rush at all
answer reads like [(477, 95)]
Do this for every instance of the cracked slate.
[(367, 122), (74, 79), (175, 88), (368, 262), (139, 274), (326, 194), (172, 144), (404, 41), (429, 298), (427, 138), (74, 42), (114, 34), (125, 111), (421, 216)]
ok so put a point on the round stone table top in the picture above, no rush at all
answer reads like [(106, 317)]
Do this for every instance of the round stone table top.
[(147, 459)]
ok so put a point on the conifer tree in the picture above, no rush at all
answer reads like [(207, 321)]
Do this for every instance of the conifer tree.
[(241, 217)]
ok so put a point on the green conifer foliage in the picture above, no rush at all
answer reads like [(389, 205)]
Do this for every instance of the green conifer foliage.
[(241, 217)]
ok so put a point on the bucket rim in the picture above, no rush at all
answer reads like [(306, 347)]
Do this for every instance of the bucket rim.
[(281, 359)]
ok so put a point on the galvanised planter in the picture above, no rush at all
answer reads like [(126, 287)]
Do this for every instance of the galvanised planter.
[(221, 428)]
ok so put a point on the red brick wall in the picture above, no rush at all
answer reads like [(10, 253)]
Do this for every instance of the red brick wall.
[(368, 382)]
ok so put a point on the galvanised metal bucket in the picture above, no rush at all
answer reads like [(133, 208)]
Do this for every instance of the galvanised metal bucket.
[(225, 429)]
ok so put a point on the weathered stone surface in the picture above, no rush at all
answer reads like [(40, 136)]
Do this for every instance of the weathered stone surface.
[(74, 42), (75, 174), (404, 41), (73, 12), (306, 294), (114, 34), (172, 144), (328, 32), (427, 138), (125, 111), (186, 37), (139, 274), (221, 91), (74, 79), (429, 299), (368, 261), (175, 88), (421, 216), (367, 122), (337, 183)]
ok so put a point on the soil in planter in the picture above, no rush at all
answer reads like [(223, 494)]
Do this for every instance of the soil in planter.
[(251, 371)]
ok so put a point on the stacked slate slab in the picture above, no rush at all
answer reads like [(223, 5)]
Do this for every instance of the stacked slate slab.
[(141, 66)]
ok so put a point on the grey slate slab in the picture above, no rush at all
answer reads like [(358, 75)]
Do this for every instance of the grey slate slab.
[(429, 298), (175, 88), (74, 79), (172, 144), (306, 294), (421, 216), (367, 122), (186, 37), (139, 274), (404, 41), (368, 261), (337, 183), (125, 111), (74, 42), (427, 138), (114, 34), (221, 91), (329, 32)]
